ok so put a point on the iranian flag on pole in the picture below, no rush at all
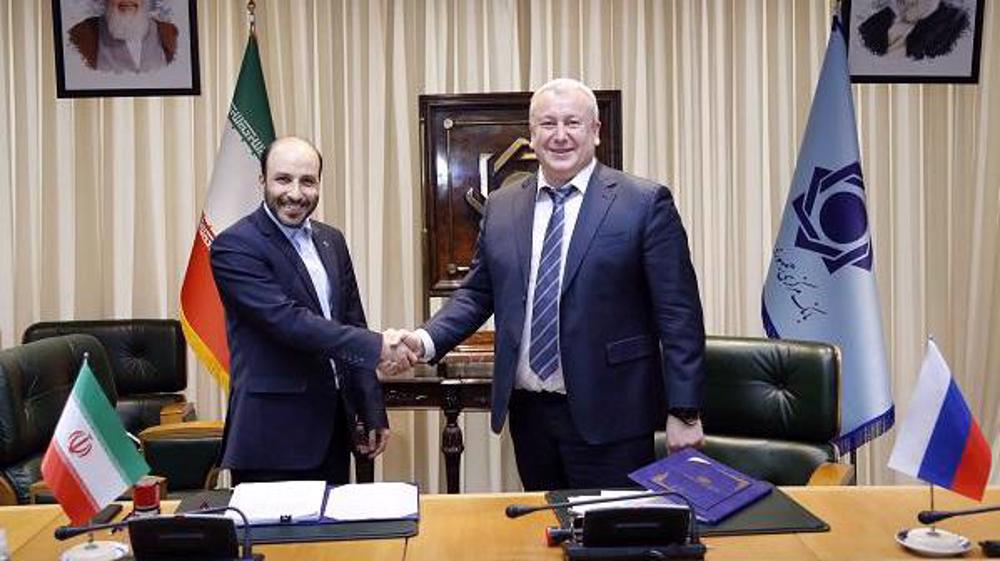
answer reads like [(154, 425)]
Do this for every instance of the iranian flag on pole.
[(90, 460), (233, 193)]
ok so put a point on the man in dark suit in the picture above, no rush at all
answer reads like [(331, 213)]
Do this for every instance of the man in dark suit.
[(599, 330), (302, 362)]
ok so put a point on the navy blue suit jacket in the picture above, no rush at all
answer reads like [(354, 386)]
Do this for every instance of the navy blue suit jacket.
[(282, 393), (632, 336)]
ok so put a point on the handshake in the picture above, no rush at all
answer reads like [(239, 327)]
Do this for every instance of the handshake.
[(401, 349)]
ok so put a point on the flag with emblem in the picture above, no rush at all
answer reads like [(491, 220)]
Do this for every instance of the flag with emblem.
[(233, 193), (821, 283), (90, 460)]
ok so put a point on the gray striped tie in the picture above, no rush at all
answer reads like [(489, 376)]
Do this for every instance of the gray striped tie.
[(543, 355)]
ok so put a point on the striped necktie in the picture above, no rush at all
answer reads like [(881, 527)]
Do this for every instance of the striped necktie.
[(543, 355)]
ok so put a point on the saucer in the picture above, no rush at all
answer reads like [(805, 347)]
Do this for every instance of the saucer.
[(933, 542), (95, 551)]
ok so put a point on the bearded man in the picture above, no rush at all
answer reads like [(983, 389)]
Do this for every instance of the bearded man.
[(126, 38), (302, 362)]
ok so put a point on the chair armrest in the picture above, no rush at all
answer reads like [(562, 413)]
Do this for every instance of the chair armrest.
[(183, 452), (39, 492), (8, 496), (829, 473), (185, 430), (177, 412)]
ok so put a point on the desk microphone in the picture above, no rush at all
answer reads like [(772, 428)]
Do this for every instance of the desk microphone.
[(247, 542), (517, 510), (66, 532), (932, 516)]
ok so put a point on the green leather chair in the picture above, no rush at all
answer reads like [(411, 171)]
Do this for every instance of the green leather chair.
[(148, 361), (771, 408), (148, 364)]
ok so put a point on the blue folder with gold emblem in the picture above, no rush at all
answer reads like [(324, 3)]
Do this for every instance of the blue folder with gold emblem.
[(714, 489)]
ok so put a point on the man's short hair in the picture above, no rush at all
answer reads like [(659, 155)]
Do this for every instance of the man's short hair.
[(560, 85), (267, 152)]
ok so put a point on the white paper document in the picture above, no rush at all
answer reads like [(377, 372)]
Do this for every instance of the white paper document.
[(278, 502), (372, 501), (641, 501)]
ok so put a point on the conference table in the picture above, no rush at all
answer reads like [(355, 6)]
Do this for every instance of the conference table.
[(863, 521)]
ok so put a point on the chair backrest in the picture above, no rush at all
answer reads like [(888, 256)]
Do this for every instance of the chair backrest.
[(147, 357), (35, 382), (771, 407)]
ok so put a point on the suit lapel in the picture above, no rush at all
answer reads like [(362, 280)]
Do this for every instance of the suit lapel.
[(278, 240), (596, 202), (524, 218), (327, 254)]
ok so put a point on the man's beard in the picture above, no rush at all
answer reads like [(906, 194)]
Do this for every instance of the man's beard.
[(128, 26)]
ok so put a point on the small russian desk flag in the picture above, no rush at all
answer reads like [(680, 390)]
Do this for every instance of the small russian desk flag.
[(939, 441)]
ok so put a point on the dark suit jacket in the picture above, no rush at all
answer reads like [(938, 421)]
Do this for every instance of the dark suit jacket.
[(281, 406), (631, 329)]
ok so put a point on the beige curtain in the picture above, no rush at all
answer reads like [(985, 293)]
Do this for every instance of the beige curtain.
[(99, 197)]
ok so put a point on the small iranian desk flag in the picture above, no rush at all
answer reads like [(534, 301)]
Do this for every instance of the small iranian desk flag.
[(90, 460)]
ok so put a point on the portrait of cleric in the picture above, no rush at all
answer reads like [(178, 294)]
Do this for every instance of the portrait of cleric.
[(915, 29), (126, 36)]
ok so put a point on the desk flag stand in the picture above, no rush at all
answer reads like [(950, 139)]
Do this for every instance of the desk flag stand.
[(933, 541), (91, 550), (940, 442)]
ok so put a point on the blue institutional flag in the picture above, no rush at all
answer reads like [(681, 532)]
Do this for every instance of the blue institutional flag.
[(820, 286)]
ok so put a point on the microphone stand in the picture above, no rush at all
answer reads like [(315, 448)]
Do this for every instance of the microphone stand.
[(694, 549), (932, 516), (67, 532), (247, 542)]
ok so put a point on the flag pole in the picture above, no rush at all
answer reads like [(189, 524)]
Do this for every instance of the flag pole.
[(930, 338), (251, 16), (932, 504), (246, 132)]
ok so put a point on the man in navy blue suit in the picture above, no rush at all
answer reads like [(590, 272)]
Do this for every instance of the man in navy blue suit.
[(302, 362), (599, 330)]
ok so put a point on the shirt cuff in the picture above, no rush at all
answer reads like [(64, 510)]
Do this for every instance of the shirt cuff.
[(429, 350)]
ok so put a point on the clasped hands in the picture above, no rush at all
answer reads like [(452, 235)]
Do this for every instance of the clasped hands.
[(401, 349)]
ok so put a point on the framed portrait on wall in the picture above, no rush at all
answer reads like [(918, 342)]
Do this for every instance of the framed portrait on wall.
[(126, 48), (929, 41)]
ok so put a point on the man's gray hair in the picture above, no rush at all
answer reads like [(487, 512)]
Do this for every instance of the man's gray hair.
[(561, 85)]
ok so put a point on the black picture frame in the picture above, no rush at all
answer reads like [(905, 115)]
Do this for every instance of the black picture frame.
[(942, 47), (80, 32)]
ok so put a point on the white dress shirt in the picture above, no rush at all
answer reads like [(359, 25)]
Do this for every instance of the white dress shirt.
[(525, 378)]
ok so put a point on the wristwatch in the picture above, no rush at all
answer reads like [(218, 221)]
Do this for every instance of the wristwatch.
[(688, 415)]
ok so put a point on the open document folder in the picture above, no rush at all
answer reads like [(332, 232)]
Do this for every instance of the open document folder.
[(296, 502)]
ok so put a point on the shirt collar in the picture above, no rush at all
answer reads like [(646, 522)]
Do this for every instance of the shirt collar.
[(290, 232), (580, 180)]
